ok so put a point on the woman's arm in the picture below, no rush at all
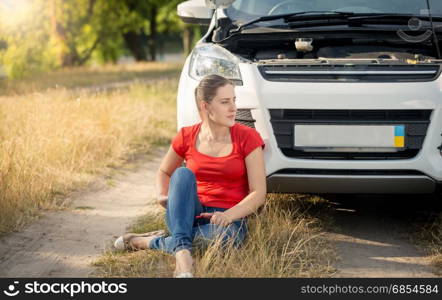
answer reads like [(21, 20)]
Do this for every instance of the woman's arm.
[(168, 165), (257, 187)]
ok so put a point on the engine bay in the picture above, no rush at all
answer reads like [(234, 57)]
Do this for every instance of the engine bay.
[(323, 49)]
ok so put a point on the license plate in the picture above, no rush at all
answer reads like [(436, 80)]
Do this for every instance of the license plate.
[(350, 136)]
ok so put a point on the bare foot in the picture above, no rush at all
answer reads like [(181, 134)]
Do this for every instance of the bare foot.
[(135, 241), (141, 243), (184, 263)]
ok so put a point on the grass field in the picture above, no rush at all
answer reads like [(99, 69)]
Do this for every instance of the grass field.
[(89, 76), (56, 140), (286, 239)]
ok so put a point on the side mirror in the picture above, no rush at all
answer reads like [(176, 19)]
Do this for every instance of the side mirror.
[(195, 12)]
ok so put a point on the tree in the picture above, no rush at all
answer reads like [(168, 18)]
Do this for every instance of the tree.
[(141, 32), (170, 22), (77, 30), (64, 33), (24, 38)]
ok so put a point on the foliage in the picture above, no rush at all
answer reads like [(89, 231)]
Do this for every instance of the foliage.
[(39, 35), (25, 47)]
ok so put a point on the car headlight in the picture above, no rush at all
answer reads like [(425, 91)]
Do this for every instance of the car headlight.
[(210, 59)]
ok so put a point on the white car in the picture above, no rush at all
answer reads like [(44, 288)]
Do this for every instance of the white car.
[(346, 94)]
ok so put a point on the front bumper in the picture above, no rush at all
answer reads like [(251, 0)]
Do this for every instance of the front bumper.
[(289, 183)]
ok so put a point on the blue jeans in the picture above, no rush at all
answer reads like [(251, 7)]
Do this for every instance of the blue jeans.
[(183, 206)]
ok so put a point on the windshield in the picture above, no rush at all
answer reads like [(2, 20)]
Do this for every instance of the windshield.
[(245, 10)]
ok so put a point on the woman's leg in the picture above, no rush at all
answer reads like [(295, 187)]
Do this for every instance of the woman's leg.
[(182, 207)]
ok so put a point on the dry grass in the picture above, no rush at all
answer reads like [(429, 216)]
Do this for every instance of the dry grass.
[(89, 76), (429, 236), (284, 240), (54, 141)]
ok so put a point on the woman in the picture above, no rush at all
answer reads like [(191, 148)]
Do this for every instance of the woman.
[(223, 182)]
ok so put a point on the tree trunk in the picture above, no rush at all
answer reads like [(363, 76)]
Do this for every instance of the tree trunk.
[(67, 52), (153, 32), (136, 44), (59, 36)]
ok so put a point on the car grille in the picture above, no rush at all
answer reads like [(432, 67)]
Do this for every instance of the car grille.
[(244, 116), (350, 72), (416, 124)]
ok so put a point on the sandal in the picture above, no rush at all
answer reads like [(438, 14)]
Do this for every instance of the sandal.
[(184, 275), (123, 242)]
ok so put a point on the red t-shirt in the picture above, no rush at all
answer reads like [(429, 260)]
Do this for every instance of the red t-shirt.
[(221, 181)]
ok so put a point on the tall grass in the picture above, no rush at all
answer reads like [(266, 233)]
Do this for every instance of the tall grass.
[(284, 240), (54, 141), (429, 236)]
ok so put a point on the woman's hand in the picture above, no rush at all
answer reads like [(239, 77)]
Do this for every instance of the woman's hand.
[(217, 218)]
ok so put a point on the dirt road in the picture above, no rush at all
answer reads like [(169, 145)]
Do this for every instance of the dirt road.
[(371, 240), (373, 237), (64, 243)]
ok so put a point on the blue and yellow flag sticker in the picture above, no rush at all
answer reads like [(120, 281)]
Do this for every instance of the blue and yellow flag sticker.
[(399, 136)]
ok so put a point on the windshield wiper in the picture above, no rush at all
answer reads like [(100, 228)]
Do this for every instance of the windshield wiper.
[(290, 16), (381, 16), (357, 19)]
